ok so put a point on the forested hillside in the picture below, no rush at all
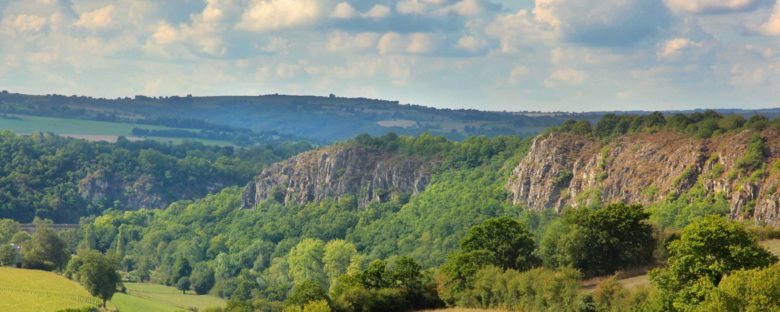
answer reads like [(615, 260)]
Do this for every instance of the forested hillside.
[(395, 223), (48, 176)]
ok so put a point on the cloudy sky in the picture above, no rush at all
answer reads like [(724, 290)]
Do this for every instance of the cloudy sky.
[(512, 55)]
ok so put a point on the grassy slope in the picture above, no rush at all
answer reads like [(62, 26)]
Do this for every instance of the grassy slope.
[(39, 291), (29, 124), (773, 245), (169, 296), (31, 290)]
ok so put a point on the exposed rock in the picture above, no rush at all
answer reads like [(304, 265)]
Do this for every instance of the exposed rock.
[(563, 169), (333, 172)]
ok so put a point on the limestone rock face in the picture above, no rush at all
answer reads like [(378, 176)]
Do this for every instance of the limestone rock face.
[(337, 171), (563, 169)]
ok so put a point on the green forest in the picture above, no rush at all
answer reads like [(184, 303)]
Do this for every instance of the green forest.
[(458, 243)]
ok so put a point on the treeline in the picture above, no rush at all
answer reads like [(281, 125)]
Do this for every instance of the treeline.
[(699, 124), (48, 176)]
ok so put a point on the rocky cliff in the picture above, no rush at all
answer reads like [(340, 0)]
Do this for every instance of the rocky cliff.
[(334, 172), (563, 169)]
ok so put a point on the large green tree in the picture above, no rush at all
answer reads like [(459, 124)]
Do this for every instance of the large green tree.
[(99, 276), (202, 278), (599, 240), (45, 251), (707, 250), (508, 240)]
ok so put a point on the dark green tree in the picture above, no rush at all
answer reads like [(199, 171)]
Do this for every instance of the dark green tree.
[(306, 292), (181, 268), (45, 251), (510, 242), (202, 279), (183, 284), (99, 276)]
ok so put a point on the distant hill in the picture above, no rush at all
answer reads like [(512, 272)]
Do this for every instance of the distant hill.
[(319, 119)]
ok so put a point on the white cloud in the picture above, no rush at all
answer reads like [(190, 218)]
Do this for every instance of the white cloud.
[(602, 23), (470, 43), (411, 7), (344, 10), (390, 43), (101, 18), (745, 76), (269, 15), (517, 74), (772, 26), (709, 6), (420, 43), (343, 42), (27, 23), (165, 34), (465, 7), (378, 11), (565, 76), (674, 47)]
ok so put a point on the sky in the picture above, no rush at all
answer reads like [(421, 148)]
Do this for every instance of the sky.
[(513, 55)]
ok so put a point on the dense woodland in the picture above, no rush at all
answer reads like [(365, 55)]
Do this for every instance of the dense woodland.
[(457, 243), (48, 176)]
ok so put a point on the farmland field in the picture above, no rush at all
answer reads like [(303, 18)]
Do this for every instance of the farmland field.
[(87, 129), (154, 297), (32, 290)]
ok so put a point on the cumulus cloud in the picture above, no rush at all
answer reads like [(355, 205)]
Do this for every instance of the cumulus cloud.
[(470, 43), (340, 41), (517, 74), (101, 18), (377, 11), (772, 26), (165, 34), (344, 10), (270, 15), (420, 43), (565, 76), (602, 23), (24, 23), (711, 6), (674, 47)]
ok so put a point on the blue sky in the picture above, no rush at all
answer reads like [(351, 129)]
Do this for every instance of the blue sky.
[(571, 55)]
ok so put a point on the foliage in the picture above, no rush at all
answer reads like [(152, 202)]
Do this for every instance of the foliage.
[(202, 278), (599, 241), (746, 290), (48, 176), (509, 241), (305, 292), (45, 251), (707, 250), (534, 290), (698, 124), (679, 211), (183, 284), (99, 276)]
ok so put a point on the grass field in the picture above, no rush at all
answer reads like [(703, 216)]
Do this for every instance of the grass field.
[(39, 291), (87, 129), (145, 297)]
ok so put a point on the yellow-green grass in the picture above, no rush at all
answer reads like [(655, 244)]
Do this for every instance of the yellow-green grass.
[(86, 128), (24, 290), (130, 303), (169, 297)]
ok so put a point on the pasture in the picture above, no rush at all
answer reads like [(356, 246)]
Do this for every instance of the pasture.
[(39, 291)]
